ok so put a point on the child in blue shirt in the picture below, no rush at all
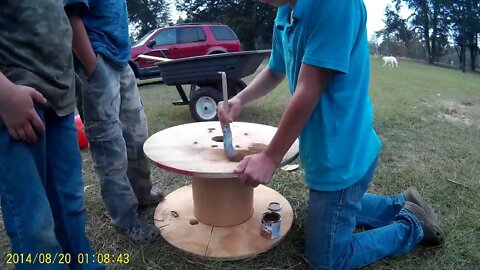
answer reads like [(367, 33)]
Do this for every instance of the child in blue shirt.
[(322, 49), (115, 122)]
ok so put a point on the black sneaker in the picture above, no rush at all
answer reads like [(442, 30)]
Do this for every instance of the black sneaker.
[(432, 234), (153, 199), (141, 232)]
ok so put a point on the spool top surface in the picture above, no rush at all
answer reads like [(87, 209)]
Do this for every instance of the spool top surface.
[(196, 149)]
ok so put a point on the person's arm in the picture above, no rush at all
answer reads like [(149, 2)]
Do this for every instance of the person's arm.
[(261, 85), (311, 82), (17, 109), (269, 78), (81, 43), (257, 169)]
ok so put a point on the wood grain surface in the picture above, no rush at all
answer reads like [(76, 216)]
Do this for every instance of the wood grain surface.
[(222, 202), (196, 149), (178, 225)]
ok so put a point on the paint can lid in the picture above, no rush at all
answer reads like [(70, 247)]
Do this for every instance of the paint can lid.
[(274, 206)]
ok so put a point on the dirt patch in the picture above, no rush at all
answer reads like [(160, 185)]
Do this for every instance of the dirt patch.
[(456, 119), (457, 112), (466, 103)]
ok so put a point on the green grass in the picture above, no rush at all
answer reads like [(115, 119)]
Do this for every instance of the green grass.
[(429, 121)]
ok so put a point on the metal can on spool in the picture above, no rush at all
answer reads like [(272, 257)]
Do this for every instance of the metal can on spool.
[(270, 228)]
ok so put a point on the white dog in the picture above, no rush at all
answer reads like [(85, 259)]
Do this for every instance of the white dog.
[(390, 60)]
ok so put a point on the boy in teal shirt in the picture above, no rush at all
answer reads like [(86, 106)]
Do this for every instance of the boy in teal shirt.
[(322, 48)]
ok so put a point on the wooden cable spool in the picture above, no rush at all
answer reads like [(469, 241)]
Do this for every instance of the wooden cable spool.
[(216, 199)]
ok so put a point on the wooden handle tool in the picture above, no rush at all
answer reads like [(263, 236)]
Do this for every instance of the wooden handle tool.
[(227, 132)]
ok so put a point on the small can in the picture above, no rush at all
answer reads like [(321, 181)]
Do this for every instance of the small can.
[(270, 228)]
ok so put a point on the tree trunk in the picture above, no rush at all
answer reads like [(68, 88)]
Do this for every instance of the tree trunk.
[(459, 54), (473, 50), (461, 58), (473, 56), (464, 40), (426, 30), (434, 35)]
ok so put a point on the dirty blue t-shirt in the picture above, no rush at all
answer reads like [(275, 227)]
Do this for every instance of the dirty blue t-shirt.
[(106, 22), (338, 143)]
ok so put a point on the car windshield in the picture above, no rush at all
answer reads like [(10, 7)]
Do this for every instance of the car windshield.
[(144, 38)]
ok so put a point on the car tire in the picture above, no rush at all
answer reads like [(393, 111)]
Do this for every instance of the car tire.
[(203, 104)]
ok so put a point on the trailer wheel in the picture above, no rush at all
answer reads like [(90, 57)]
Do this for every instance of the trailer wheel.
[(235, 87), (203, 104), (240, 85)]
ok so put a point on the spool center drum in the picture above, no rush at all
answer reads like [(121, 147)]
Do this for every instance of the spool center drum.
[(222, 202)]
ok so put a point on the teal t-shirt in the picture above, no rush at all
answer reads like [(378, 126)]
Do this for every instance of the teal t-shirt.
[(338, 143)]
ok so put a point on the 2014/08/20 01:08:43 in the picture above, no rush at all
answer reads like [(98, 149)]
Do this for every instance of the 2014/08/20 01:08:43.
[(66, 258)]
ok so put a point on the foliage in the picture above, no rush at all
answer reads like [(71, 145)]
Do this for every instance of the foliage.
[(252, 21), (149, 14), (465, 20), (396, 28), (435, 23), (430, 21)]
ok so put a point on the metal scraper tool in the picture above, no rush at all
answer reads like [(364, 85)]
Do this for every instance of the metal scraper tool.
[(227, 132)]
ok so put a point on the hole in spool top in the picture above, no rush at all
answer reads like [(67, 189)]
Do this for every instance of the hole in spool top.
[(217, 139), (193, 222)]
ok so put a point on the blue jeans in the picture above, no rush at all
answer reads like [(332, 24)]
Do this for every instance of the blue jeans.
[(331, 242), (41, 193), (116, 128)]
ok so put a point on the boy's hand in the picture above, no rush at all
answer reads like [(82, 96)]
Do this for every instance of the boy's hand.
[(17, 108), (256, 169), (234, 109)]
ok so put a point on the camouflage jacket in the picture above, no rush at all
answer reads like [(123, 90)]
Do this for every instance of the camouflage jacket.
[(36, 49)]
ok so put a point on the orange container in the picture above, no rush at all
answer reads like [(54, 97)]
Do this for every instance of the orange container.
[(82, 139)]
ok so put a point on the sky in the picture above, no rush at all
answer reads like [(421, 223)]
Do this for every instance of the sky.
[(375, 14)]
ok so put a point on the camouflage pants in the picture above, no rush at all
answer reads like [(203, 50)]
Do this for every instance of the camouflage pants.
[(116, 128)]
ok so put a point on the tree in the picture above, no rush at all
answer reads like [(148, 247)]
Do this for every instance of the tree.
[(391, 47), (465, 21), (373, 45), (396, 28), (149, 14), (251, 20), (430, 21)]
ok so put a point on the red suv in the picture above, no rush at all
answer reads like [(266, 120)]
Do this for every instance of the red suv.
[(181, 41)]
